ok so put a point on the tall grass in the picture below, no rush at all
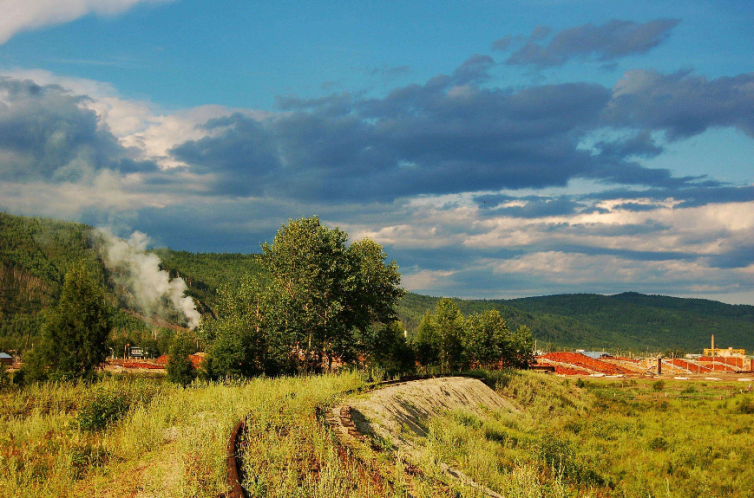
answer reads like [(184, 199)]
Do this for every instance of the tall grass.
[(622, 439), (169, 442), (131, 437)]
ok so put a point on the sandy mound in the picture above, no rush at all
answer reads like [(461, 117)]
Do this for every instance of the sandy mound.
[(401, 413), (390, 411)]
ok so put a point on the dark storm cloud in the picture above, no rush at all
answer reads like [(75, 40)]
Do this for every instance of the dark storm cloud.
[(604, 43), (639, 145), (449, 135), (245, 153), (46, 134), (740, 256), (682, 104)]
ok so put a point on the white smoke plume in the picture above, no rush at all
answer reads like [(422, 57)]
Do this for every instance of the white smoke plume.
[(140, 272)]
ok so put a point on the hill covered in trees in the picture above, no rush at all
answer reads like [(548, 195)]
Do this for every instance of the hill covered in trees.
[(35, 254), (629, 321)]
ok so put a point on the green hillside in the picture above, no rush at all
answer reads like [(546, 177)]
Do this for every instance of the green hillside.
[(627, 321), (557, 331), (35, 254), (654, 321), (205, 273)]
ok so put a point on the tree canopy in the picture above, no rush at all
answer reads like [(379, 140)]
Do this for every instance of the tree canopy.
[(450, 340), (75, 334), (319, 298)]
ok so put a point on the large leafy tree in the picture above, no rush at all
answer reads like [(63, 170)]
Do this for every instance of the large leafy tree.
[(309, 265), (450, 340), (179, 368), (321, 298), (427, 341), (488, 339), (246, 339), (522, 350), (75, 335), (450, 333), (388, 348)]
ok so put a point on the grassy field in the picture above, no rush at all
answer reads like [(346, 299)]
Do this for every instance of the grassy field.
[(144, 437), (606, 438), (164, 441)]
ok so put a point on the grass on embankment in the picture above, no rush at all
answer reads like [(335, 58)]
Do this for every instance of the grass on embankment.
[(606, 438)]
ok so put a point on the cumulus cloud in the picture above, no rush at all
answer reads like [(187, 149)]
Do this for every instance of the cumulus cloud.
[(455, 134), (459, 178), (604, 43), (46, 134), (23, 15), (449, 135)]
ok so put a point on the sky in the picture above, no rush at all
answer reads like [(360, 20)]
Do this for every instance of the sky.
[(495, 149)]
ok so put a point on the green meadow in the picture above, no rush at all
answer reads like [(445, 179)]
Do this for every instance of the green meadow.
[(126, 436)]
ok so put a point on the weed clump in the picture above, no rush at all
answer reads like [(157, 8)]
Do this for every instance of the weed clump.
[(110, 402), (745, 406), (658, 444)]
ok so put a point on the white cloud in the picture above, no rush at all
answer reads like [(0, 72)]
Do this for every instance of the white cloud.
[(23, 15), (138, 124), (425, 280), (104, 191)]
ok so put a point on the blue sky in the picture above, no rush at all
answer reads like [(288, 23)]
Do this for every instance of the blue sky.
[(496, 149)]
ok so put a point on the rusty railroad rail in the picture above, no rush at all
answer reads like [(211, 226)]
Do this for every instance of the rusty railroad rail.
[(235, 448)]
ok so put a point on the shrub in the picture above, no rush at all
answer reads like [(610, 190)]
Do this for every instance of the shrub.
[(658, 386), (658, 444), (179, 367), (105, 407), (745, 406), (108, 403), (4, 377)]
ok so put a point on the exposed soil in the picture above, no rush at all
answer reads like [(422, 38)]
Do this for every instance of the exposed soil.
[(390, 411), (400, 414)]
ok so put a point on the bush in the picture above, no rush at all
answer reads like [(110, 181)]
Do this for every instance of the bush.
[(658, 444), (658, 386), (108, 404), (105, 407), (4, 377), (179, 367), (745, 406)]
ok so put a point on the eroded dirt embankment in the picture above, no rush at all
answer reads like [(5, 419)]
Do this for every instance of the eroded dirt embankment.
[(400, 412)]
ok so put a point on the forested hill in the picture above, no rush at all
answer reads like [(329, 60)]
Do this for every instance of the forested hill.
[(658, 321), (629, 321), (35, 254)]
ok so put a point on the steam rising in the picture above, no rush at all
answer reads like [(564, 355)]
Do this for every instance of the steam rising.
[(140, 273)]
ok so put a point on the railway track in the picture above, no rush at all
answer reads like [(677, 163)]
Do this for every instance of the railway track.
[(234, 458)]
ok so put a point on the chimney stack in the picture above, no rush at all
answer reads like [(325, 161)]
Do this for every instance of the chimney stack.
[(713, 341)]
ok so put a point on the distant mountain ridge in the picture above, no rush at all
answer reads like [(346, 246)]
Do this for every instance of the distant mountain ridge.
[(35, 253), (628, 321)]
